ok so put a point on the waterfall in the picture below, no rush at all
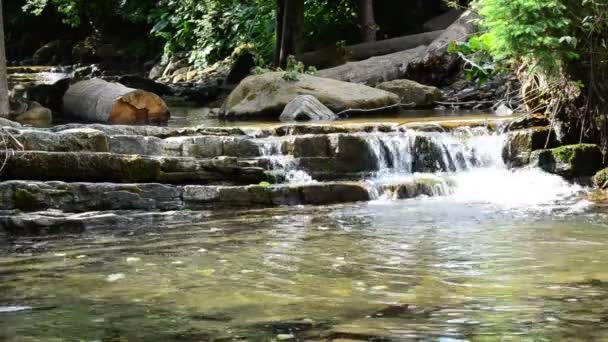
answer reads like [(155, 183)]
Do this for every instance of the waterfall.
[(464, 165), (273, 150), (411, 152)]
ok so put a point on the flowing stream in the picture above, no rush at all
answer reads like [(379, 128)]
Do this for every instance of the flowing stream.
[(497, 254)]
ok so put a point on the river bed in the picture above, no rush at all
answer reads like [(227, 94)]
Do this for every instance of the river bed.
[(446, 269)]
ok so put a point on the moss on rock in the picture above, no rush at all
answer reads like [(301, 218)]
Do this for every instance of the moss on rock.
[(570, 161), (25, 200), (600, 180)]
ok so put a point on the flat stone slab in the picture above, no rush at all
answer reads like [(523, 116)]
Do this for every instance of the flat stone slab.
[(28, 196), (56, 222), (108, 167), (42, 207)]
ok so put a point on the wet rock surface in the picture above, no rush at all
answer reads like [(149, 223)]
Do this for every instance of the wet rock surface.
[(521, 143), (306, 108), (77, 176), (570, 161), (267, 95), (413, 94)]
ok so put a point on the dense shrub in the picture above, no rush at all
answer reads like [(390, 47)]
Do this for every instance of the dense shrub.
[(560, 44)]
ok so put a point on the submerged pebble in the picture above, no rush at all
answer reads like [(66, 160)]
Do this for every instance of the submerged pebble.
[(115, 277), (11, 309)]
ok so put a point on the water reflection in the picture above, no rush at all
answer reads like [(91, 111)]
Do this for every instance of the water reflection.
[(401, 270)]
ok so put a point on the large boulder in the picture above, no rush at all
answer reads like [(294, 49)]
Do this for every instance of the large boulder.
[(413, 93), (306, 108), (571, 161), (267, 95)]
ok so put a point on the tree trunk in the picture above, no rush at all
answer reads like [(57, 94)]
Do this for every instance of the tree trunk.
[(367, 20), (292, 30), (428, 65), (279, 13), (332, 56), (4, 106), (100, 101), (377, 69)]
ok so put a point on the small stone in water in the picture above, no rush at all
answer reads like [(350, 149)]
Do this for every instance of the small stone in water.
[(82, 256), (283, 337), (206, 273), (202, 250), (115, 277), (177, 262), (9, 309), (133, 259), (379, 287), (60, 254)]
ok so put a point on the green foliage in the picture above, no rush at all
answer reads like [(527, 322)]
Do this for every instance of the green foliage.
[(559, 49), (208, 29), (212, 29), (296, 68), (479, 64), (74, 12), (548, 34)]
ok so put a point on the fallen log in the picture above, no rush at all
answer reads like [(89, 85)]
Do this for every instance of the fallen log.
[(376, 70), (99, 101), (334, 55), (428, 65)]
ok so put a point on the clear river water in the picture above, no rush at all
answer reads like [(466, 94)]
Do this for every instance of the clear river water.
[(500, 255), (497, 255)]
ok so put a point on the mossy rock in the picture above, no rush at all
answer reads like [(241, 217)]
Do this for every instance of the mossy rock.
[(25, 200), (600, 180), (570, 161)]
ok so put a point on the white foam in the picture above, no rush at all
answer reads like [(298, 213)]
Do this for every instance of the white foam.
[(469, 163)]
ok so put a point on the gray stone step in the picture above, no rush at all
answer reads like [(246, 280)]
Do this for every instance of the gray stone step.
[(81, 197), (108, 167), (27, 196), (57, 207)]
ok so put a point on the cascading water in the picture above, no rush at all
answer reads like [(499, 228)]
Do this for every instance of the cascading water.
[(463, 165), (470, 168), (273, 151)]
